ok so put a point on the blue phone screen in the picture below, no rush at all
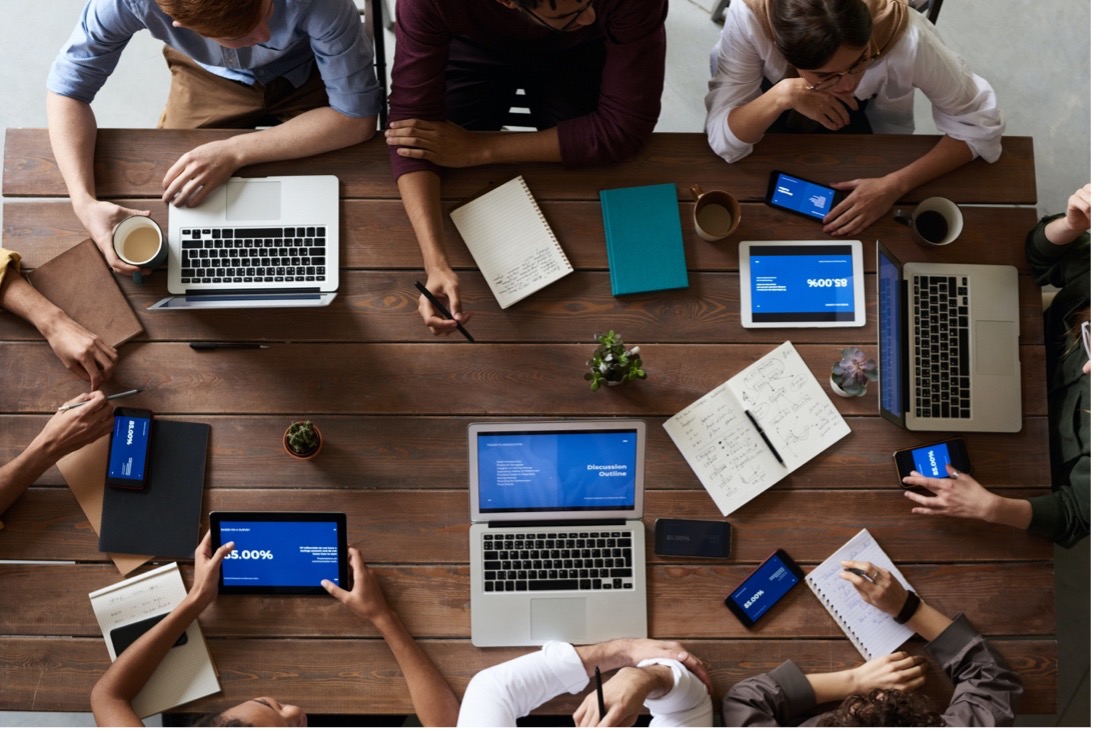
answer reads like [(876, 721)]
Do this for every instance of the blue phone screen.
[(129, 447), (764, 588), (802, 196), (930, 460)]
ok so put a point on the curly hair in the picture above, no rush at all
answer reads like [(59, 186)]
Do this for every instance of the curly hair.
[(219, 720), (884, 708), (809, 32)]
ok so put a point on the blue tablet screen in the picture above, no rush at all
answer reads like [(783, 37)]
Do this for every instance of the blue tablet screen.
[(802, 283), (279, 554)]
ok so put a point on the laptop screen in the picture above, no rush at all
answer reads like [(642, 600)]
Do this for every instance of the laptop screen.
[(556, 468), (890, 334)]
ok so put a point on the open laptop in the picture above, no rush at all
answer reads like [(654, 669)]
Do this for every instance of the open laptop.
[(944, 370), (557, 542), (256, 242)]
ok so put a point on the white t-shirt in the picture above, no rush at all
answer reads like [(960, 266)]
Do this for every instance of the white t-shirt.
[(964, 104), (497, 696)]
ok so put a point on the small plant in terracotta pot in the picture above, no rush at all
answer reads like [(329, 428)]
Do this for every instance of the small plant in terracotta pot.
[(850, 376), (612, 363), (303, 440)]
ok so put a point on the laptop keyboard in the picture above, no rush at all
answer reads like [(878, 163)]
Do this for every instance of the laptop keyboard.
[(253, 255), (558, 561), (943, 384)]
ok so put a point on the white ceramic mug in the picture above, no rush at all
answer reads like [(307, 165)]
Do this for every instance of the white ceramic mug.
[(138, 240), (934, 222)]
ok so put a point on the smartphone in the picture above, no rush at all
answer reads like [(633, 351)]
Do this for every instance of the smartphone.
[(693, 538), (800, 196), (123, 637), (930, 459), (130, 444), (766, 585)]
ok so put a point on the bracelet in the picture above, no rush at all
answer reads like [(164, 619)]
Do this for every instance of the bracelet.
[(909, 607)]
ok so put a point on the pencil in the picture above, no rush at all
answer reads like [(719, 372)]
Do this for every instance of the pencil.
[(123, 394)]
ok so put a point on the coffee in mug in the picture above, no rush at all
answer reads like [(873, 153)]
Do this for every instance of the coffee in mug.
[(932, 226), (716, 213), (934, 221), (138, 240)]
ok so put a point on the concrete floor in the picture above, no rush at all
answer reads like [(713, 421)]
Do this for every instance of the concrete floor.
[(1036, 54)]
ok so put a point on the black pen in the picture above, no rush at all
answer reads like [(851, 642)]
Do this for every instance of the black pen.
[(599, 695), (765, 439), (859, 571), (227, 346), (441, 308)]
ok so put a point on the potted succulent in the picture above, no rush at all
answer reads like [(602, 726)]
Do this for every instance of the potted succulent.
[(850, 376), (612, 363), (303, 440)]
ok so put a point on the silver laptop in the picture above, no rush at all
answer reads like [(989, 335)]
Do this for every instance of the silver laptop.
[(948, 338), (557, 544), (256, 242)]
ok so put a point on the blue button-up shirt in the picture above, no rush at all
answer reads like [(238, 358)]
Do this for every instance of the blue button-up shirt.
[(302, 32)]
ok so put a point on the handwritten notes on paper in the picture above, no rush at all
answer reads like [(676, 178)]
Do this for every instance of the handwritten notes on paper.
[(511, 242), (871, 630), (727, 452)]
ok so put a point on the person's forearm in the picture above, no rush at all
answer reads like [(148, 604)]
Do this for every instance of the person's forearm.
[(112, 695), (749, 122), (420, 191), (1059, 233), (72, 133), (434, 701), (505, 147), (928, 622), (23, 300), (1007, 511), (834, 686), (19, 473), (311, 133), (945, 156)]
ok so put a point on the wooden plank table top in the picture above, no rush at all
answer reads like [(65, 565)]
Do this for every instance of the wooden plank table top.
[(394, 403)]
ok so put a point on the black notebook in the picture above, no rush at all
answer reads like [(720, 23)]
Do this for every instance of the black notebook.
[(164, 518)]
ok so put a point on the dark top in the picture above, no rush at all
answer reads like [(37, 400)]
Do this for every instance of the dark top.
[(1063, 516), (630, 87), (985, 693)]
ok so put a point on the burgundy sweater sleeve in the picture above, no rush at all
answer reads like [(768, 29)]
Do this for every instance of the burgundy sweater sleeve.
[(630, 88)]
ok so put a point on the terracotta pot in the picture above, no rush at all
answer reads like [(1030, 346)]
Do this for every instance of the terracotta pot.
[(302, 457)]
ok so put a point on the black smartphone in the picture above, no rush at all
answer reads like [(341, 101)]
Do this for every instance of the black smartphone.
[(800, 196), (766, 585), (929, 460), (130, 444), (693, 538), (123, 637)]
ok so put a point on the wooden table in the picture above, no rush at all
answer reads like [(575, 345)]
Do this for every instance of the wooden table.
[(394, 404)]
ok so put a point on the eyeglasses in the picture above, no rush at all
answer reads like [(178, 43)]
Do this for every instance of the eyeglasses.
[(829, 80), (573, 17)]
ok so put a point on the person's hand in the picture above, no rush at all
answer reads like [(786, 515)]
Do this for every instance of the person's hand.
[(444, 285), (869, 199), (198, 172), (69, 430), (207, 569), (442, 143), (623, 697), (900, 671), (960, 496), (100, 217), (80, 350), (880, 589), (824, 107), (366, 599), (630, 652), (1077, 209)]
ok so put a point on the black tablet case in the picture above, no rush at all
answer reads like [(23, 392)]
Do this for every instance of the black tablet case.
[(164, 518)]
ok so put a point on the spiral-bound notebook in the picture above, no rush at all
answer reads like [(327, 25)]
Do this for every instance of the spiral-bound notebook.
[(871, 630), (511, 242)]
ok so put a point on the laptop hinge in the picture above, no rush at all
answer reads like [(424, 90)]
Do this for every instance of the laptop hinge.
[(287, 292), (557, 523)]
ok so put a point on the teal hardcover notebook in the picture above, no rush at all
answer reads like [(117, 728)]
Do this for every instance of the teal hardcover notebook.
[(644, 239)]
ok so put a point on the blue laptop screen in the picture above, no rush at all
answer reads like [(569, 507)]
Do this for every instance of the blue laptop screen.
[(556, 471), (890, 333)]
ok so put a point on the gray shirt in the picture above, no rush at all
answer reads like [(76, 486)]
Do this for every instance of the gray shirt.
[(986, 690)]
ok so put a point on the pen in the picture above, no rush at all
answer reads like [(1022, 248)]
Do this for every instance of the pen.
[(599, 694), (441, 308), (862, 573), (227, 346), (765, 439), (123, 394)]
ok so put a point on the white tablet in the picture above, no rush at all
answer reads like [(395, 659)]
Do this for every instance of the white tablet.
[(802, 284)]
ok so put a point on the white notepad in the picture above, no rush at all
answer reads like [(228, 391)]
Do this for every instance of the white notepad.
[(726, 450), (871, 630), (187, 672), (511, 242)]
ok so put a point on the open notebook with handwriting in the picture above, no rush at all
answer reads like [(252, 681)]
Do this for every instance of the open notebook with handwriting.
[(751, 431)]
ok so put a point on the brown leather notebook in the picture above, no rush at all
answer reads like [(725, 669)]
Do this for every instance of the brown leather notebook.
[(79, 282)]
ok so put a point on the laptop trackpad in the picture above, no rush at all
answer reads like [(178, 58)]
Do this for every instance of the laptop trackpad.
[(560, 619), (253, 200), (994, 347)]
